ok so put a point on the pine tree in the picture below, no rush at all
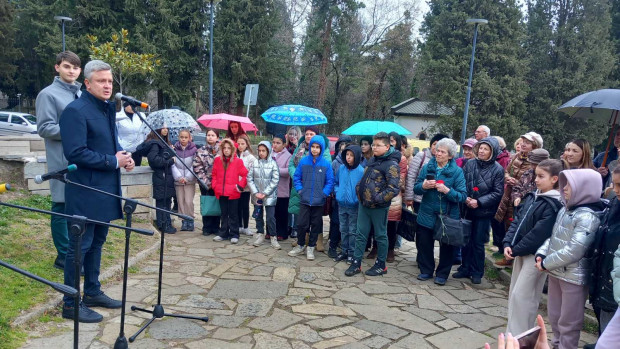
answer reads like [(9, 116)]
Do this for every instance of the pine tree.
[(499, 87), (571, 53), (9, 55)]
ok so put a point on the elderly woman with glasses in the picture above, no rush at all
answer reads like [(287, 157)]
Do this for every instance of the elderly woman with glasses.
[(442, 186)]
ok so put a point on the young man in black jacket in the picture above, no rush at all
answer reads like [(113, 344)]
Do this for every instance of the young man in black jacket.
[(379, 184)]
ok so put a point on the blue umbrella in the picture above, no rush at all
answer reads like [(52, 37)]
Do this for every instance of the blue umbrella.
[(294, 115), (371, 128)]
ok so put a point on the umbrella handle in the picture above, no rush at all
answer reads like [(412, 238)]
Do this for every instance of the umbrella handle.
[(611, 135)]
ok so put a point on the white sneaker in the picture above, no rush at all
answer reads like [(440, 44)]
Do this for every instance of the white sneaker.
[(218, 238), (259, 239), (241, 231), (297, 250), (274, 243), (310, 253), (249, 231), (234, 240)]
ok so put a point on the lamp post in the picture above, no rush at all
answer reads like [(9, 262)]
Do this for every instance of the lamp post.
[(475, 22), (19, 102), (211, 59), (62, 20)]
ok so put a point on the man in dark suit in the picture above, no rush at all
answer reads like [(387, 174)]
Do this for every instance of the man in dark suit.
[(89, 140)]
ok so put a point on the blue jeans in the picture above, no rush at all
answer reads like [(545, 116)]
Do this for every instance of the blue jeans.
[(270, 211), (473, 252), (348, 228), (92, 241)]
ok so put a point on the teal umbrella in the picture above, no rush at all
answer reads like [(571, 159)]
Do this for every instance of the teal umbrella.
[(294, 115), (371, 128)]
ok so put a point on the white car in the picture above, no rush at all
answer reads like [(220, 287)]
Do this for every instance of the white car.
[(13, 123)]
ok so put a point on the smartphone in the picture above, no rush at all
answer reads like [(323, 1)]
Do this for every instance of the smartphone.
[(528, 339), (430, 177)]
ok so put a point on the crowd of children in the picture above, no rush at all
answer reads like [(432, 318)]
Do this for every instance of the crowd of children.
[(555, 222)]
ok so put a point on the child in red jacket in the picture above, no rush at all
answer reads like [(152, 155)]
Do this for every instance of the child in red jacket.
[(228, 180)]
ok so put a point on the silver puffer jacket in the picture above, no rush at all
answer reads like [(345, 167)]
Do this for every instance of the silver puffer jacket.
[(263, 177), (573, 235)]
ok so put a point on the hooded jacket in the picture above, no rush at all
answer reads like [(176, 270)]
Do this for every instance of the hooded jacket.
[(302, 150), (533, 222), (435, 203), (415, 166), (228, 173), (338, 153), (565, 253), (160, 160), (263, 177), (605, 247), (380, 182), (347, 177), (284, 184), (187, 155), (485, 180), (203, 162), (314, 177)]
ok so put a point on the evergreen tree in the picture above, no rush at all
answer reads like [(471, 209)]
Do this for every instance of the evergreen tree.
[(247, 51), (499, 88), (9, 55), (571, 53)]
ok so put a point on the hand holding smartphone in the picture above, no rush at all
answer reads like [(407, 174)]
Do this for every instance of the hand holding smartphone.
[(528, 339)]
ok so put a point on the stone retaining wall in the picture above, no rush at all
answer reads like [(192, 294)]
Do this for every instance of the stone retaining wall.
[(23, 158)]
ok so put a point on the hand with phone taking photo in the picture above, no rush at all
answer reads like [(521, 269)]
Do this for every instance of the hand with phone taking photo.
[(519, 342)]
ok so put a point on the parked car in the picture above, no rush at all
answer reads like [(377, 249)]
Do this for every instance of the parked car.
[(13, 123)]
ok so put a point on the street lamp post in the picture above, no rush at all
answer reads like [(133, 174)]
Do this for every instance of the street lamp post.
[(211, 60), (19, 102), (475, 22), (62, 20)]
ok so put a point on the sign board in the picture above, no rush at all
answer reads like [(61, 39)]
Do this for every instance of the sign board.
[(251, 94)]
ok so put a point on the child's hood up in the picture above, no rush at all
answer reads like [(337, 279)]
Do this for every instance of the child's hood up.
[(357, 156), (585, 186), (318, 139), (267, 145)]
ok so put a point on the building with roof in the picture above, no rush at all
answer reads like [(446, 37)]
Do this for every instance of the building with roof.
[(419, 116)]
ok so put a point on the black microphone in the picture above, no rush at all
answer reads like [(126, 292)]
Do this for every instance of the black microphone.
[(51, 175), (130, 100)]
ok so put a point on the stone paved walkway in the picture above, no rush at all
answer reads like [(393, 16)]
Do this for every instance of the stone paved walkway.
[(257, 297)]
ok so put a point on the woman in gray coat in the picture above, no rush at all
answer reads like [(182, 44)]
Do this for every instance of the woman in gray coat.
[(263, 178)]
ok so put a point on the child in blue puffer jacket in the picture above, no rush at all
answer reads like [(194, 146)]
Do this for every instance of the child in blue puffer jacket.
[(346, 179), (314, 181)]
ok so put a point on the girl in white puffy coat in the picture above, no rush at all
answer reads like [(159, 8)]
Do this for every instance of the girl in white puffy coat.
[(246, 154), (565, 254), (263, 178)]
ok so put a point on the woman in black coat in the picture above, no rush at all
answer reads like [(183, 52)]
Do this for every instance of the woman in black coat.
[(484, 178), (160, 158)]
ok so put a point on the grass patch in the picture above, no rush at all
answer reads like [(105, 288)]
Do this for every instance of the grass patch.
[(491, 273), (25, 241)]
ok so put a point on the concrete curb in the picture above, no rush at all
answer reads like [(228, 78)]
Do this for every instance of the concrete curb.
[(506, 276), (106, 274)]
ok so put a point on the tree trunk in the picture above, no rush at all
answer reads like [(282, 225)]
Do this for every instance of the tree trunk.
[(160, 99), (320, 99)]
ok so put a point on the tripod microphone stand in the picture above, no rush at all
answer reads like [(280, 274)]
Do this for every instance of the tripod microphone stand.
[(78, 227), (158, 311), (129, 208)]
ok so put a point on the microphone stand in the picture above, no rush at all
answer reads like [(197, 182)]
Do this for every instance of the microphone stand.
[(78, 227), (158, 311)]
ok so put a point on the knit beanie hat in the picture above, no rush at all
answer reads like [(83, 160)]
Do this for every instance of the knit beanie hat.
[(470, 142), (312, 128), (537, 155), (585, 186)]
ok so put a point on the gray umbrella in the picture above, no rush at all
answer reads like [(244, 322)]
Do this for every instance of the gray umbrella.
[(173, 119), (601, 105)]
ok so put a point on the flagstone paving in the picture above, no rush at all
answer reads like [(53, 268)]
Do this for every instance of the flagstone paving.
[(257, 297)]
